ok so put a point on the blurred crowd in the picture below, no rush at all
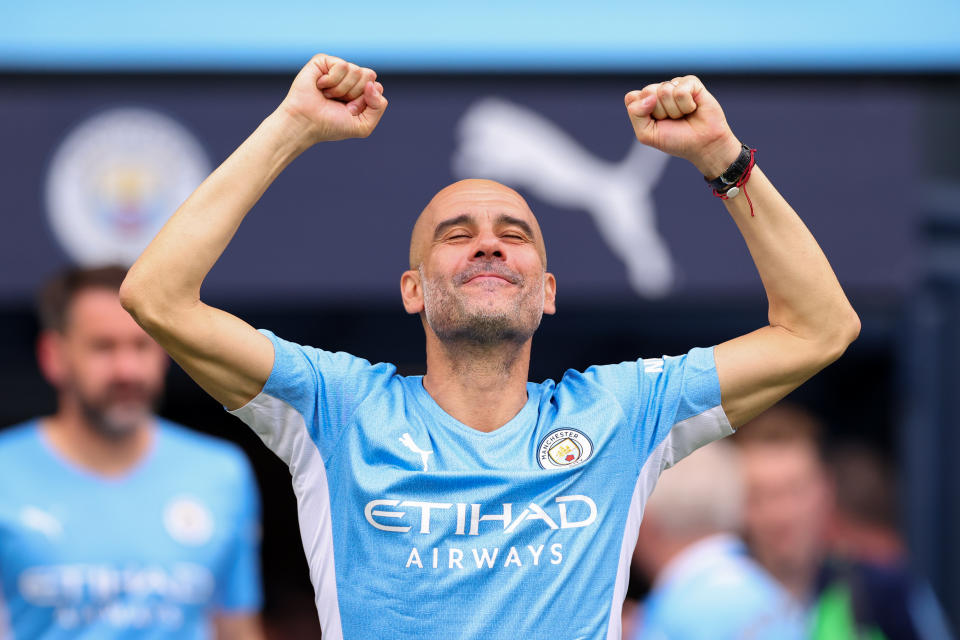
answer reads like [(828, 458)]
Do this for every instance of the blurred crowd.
[(774, 533)]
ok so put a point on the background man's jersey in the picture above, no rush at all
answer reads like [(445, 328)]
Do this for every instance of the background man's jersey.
[(713, 590), (151, 554), (417, 526)]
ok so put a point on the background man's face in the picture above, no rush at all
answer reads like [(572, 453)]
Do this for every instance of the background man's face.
[(787, 504), (482, 269), (106, 363)]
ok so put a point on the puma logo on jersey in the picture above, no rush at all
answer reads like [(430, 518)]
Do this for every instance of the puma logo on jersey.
[(42, 522), (407, 441)]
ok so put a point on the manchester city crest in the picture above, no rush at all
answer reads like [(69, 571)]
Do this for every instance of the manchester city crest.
[(564, 448), (116, 178), (188, 521)]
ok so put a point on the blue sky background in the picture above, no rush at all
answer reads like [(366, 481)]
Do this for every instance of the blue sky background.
[(497, 35)]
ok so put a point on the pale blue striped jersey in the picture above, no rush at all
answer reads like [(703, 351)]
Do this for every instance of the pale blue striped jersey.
[(417, 526), (149, 555)]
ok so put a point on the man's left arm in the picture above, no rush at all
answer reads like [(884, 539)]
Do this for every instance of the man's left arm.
[(811, 323)]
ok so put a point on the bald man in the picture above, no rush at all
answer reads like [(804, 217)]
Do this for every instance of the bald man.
[(470, 502)]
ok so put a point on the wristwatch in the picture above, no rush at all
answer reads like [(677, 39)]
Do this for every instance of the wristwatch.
[(725, 181)]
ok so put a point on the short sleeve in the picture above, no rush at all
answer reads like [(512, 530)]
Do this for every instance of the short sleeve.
[(680, 400), (239, 584), (671, 402), (310, 390)]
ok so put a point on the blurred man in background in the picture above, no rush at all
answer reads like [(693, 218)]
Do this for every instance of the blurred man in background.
[(864, 522), (115, 523), (705, 585), (789, 508)]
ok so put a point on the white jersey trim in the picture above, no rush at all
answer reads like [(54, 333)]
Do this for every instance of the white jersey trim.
[(283, 430), (685, 436)]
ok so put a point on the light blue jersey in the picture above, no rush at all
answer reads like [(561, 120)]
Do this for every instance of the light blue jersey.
[(713, 590), (152, 554), (417, 526)]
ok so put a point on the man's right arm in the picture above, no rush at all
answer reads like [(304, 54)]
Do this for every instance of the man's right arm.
[(329, 100)]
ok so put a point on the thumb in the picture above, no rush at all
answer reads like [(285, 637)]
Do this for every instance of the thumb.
[(373, 106), (640, 106)]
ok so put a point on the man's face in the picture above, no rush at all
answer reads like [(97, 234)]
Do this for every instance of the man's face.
[(105, 363), (478, 263), (787, 505)]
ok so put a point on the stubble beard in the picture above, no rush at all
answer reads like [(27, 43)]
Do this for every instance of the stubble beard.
[(117, 420), (449, 317)]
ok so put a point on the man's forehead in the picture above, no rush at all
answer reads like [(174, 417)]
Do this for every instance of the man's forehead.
[(478, 198), (98, 309), (473, 199)]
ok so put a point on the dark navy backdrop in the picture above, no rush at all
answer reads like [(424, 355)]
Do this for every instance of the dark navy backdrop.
[(334, 227)]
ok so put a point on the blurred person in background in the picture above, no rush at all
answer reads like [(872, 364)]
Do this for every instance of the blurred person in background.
[(704, 583), (864, 521), (790, 505), (115, 523)]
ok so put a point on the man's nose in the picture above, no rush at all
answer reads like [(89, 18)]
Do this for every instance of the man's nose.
[(489, 245), (127, 364)]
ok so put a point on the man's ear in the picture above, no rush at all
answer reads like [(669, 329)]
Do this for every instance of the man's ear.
[(411, 290), (50, 357), (549, 294)]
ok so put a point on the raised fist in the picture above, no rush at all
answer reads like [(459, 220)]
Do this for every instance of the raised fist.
[(333, 99), (681, 118)]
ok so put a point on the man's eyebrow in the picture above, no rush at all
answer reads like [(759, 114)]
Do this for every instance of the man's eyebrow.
[(504, 219), (463, 218)]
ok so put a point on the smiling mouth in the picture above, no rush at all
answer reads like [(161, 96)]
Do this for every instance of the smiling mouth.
[(488, 277)]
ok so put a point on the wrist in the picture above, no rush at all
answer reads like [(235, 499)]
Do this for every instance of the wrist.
[(292, 132), (717, 157)]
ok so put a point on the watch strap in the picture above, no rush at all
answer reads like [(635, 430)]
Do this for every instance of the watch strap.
[(734, 172)]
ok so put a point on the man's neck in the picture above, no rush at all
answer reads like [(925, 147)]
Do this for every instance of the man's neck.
[(80, 443), (482, 387)]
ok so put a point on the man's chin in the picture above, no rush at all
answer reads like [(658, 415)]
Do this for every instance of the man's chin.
[(118, 423)]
